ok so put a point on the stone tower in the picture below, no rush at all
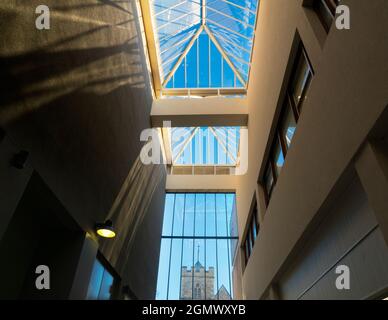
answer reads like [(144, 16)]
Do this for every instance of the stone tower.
[(196, 282)]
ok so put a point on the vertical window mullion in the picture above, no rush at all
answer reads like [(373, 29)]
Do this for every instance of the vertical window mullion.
[(222, 72), (185, 71), (210, 77), (169, 263), (197, 62), (192, 274), (227, 243), (215, 218), (183, 234)]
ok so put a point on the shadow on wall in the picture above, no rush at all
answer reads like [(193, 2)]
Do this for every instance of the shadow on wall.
[(85, 50), (77, 97), (131, 212)]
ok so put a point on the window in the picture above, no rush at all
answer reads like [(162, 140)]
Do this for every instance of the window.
[(296, 95), (199, 241), (205, 145), (200, 45), (2, 134), (101, 283), (326, 11), (252, 231)]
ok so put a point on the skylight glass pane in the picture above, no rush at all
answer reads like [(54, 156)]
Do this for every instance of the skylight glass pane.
[(215, 67), (228, 76), (204, 60), (205, 145), (208, 43)]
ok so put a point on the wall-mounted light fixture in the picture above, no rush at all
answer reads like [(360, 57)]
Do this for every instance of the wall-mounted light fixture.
[(105, 229)]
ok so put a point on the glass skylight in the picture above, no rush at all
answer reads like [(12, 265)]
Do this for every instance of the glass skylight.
[(204, 43), (205, 145)]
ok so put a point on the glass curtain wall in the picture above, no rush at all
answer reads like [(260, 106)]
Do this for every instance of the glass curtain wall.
[(199, 241)]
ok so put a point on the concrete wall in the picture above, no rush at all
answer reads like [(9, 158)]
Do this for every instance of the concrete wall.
[(76, 97), (348, 235), (211, 111), (346, 97)]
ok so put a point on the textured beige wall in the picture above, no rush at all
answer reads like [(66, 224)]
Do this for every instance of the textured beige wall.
[(347, 235), (348, 93)]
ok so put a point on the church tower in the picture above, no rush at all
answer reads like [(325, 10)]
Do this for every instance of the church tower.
[(196, 282)]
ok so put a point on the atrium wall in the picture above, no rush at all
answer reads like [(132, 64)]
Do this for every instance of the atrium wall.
[(348, 95), (77, 97)]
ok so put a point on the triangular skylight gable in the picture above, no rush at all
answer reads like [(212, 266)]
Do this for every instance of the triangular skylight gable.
[(182, 29), (205, 145)]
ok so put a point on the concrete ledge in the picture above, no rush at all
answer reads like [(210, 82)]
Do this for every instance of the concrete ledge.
[(189, 112)]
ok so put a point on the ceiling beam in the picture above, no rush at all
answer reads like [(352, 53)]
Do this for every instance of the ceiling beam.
[(151, 45), (177, 64), (203, 12)]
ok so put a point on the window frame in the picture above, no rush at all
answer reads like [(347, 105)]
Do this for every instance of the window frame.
[(250, 238), (107, 268), (296, 108), (330, 6)]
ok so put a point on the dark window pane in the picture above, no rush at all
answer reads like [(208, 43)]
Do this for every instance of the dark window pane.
[(246, 250), (100, 284), (2, 134), (278, 158), (269, 180), (326, 11), (95, 281), (288, 125), (254, 227), (106, 286), (300, 80)]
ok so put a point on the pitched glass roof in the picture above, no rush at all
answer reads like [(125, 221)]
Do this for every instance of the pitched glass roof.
[(204, 43), (205, 145)]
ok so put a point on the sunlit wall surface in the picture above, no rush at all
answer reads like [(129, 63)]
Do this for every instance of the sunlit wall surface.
[(205, 145), (199, 241)]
